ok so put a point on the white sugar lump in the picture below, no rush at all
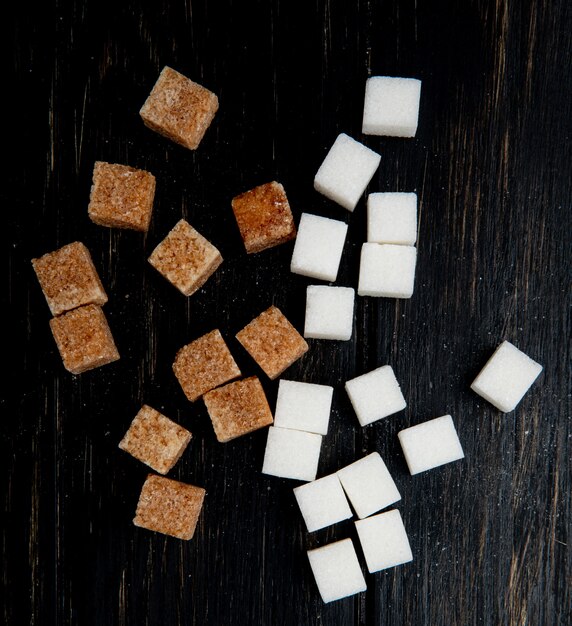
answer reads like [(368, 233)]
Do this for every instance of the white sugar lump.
[(375, 395), (392, 218), (337, 570), (369, 485), (387, 270), (391, 106), (384, 541), (430, 444), (322, 502), (292, 454), (506, 377), (346, 171), (318, 247), (329, 312), (303, 406)]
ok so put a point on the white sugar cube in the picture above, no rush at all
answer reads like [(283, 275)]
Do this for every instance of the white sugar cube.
[(392, 218), (346, 171), (387, 270), (375, 395), (329, 312), (391, 106), (318, 247), (430, 444), (337, 570), (369, 485), (303, 406), (506, 377), (322, 502), (384, 541), (291, 454)]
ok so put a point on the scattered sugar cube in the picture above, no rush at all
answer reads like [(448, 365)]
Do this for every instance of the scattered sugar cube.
[(272, 342), (384, 541), (329, 312), (170, 507), (506, 377), (69, 279), (322, 502), (318, 247), (84, 339), (121, 196), (375, 395), (155, 440), (303, 406), (387, 270), (392, 218), (430, 444), (391, 106), (292, 454), (238, 408), (337, 570), (179, 109), (369, 485)]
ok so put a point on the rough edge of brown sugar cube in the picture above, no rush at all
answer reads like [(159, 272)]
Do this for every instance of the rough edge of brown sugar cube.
[(170, 507), (155, 440), (238, 408), (272, 342), (68, 278)]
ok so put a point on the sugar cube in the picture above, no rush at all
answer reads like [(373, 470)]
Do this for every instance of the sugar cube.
[(329, 312), (387, 270), (303, 406), (392, 218), (292, 454), (322, 502)]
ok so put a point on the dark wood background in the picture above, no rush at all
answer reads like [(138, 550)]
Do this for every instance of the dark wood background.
[(492, 166)]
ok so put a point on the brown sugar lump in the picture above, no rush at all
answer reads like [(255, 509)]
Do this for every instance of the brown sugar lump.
[(69, 279), (179, 109), (170, 507), (238, 408), (264, 217), (84, 339), (121, 196), (204, 364), (185, 258), (272, 342), (155, 440)]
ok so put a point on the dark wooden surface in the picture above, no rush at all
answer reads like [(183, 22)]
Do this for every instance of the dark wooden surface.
[(492, 166)]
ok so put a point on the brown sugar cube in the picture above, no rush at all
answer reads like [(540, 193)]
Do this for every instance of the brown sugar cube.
[(179, 109), (84, 339), (264, 217), (272, 342), (155, 440), (204, 364), (69, 279), (185, 258), (170, 507), (238, 408)]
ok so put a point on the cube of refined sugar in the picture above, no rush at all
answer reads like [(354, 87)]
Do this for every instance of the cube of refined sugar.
[(369, 485), (179, 109), (375, 395), (322, 502), (121, 196), (318, 247), (69, 279), (430, 444), (185, 258), (84, 339), (384, 541), (346, 171), (238, 408), (387, 270), (303, 406), (155, 440), (391, 106), (264, 217), (204, 364), (272, 342), (329, 312), (392, 218), (292, 454), (170, 507), (337, 570), (506, 377)]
